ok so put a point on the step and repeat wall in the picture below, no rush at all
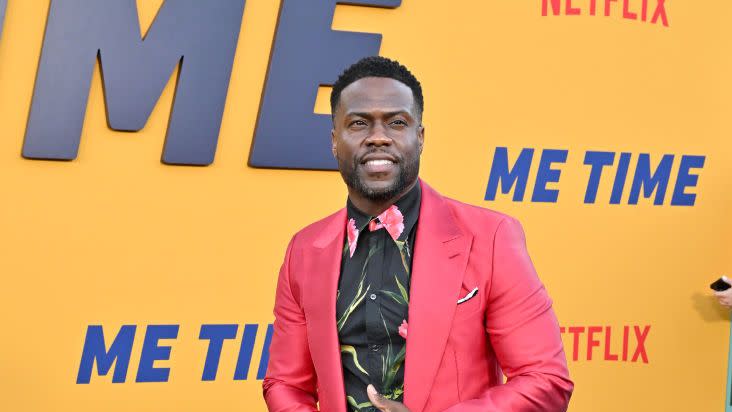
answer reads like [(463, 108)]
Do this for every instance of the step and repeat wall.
[(156, 157)]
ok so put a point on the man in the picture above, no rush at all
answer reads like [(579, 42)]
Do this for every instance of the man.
[(725, 297), (405, 300)]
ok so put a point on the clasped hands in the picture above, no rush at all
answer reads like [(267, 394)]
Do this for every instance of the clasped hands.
[(383, 404)]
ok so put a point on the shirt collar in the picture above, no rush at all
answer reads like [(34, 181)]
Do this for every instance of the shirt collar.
[(398, 219)]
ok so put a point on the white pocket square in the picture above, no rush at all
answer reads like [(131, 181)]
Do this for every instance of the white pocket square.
[(468, 296)]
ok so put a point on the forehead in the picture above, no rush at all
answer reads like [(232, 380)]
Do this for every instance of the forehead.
[(376, 94)]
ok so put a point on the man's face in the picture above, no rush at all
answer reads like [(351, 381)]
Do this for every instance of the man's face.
[(377, 137)]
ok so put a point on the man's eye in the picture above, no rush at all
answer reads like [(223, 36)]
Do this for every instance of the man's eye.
[(399, 123), (357, 123)]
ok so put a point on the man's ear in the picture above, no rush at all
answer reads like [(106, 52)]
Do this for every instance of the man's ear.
[(333, 142), (420, 137)]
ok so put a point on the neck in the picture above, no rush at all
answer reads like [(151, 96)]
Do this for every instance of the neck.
[(373, 207)]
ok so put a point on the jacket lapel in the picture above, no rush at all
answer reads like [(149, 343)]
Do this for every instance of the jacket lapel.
[(440, 258), (323, 271)]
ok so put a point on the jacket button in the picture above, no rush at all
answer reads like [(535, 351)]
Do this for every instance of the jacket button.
[(373, 296)]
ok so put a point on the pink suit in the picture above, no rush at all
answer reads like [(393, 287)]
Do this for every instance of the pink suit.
[(455, 352)]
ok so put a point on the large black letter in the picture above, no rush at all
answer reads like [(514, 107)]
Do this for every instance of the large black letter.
[(306, 54), (201, 34)]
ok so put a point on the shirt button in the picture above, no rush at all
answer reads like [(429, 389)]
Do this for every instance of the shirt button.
[(373, 296), (375, 348)]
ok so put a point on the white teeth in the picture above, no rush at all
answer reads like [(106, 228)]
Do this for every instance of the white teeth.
[(379, 162)]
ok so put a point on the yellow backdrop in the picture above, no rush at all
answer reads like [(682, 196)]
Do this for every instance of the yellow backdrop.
[(116, 237)]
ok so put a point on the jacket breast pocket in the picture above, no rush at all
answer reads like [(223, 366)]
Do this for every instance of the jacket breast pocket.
[(469, 303)]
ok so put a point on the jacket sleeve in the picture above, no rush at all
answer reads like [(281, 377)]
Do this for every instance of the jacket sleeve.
[(290, 382), (524, 333)]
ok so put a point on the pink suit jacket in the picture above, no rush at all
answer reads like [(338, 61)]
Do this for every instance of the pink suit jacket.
[(455, 353)]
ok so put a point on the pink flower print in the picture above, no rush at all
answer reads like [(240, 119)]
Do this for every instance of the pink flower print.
[(392, 220), (403, 329), (352, 235)]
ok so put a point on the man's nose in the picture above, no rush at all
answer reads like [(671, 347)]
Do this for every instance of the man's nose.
[(378, 136)]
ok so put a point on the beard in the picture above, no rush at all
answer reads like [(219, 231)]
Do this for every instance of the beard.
[(406, 174)]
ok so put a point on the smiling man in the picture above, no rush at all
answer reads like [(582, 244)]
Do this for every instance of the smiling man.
[(405, 300)]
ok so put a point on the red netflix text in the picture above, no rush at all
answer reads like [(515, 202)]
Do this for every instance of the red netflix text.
[(651, 11), (597, 343)]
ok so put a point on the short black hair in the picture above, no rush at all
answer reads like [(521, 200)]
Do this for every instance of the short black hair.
[(377, 66)]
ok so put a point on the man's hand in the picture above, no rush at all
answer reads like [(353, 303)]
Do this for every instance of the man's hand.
[(383, 404), (725, 297)]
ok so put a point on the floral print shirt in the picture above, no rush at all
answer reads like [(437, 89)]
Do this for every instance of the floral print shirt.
[(373, 299)]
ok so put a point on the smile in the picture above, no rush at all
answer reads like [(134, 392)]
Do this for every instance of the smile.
[(379, 162), (378, 166)]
